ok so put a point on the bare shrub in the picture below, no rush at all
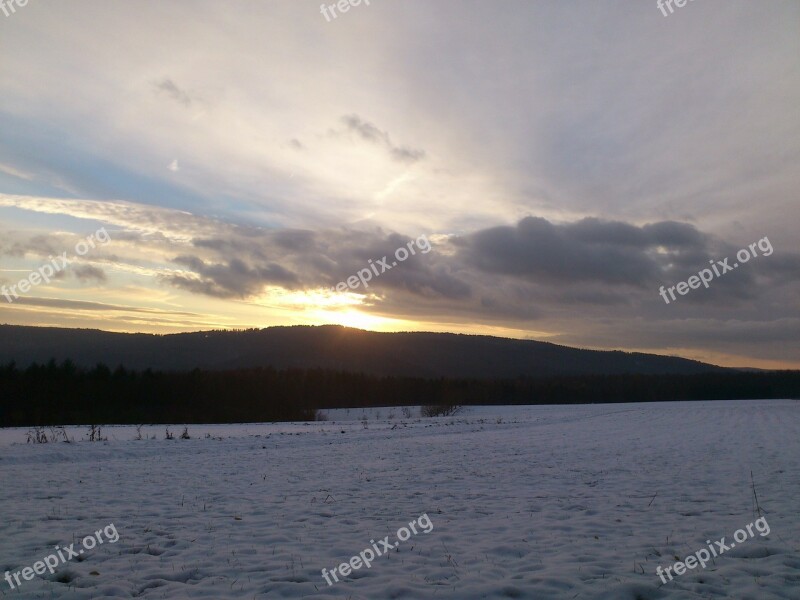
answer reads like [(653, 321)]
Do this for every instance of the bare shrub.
[(96, 434), (440, 410), (36, 436), (58, 434)]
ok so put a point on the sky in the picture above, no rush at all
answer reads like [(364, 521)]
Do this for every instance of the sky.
[(224, 165)]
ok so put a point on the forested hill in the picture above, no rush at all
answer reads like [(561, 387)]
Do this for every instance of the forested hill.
[(329, 347)]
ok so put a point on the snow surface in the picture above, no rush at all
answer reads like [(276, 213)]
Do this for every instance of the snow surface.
[(537, 502)]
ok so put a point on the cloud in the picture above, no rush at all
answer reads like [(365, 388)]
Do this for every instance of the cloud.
[(496, 272), (89, 273), (241, 262), (610, 252), (370, 133), (231, 278), (173, 91), (95, 306), (38, 245), (590, 280), (406, 155), (170, 224), (562, 114)]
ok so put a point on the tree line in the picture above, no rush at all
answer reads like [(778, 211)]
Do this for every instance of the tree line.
[(64, 394)]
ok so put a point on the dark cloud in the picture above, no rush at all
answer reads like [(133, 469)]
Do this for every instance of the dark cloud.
[(407, 155), (89, 273), (589, 250), (673, 234), (240, 263), (591, 295), (295, 239), (597, 263), (231, 278), (39, 245), (370, 133), (173, 91), (366, 130)]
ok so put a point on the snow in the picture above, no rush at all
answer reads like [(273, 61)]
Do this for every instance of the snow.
[(526, 502)]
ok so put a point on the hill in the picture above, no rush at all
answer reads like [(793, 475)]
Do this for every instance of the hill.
[(332, 347)]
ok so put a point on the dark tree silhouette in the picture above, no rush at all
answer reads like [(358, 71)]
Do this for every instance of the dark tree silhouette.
[(64, 394)]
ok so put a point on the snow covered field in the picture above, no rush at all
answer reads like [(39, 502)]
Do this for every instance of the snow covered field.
[(542, 502)]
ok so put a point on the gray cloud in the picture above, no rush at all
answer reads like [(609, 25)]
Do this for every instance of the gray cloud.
[(609, 252), (370, 133), (89, 273), (241, 261), (38, 245), (407, 155), (531, 270), (231, 278), (173, 91)]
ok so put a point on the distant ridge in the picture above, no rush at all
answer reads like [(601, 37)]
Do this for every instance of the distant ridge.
[(330, 347)]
